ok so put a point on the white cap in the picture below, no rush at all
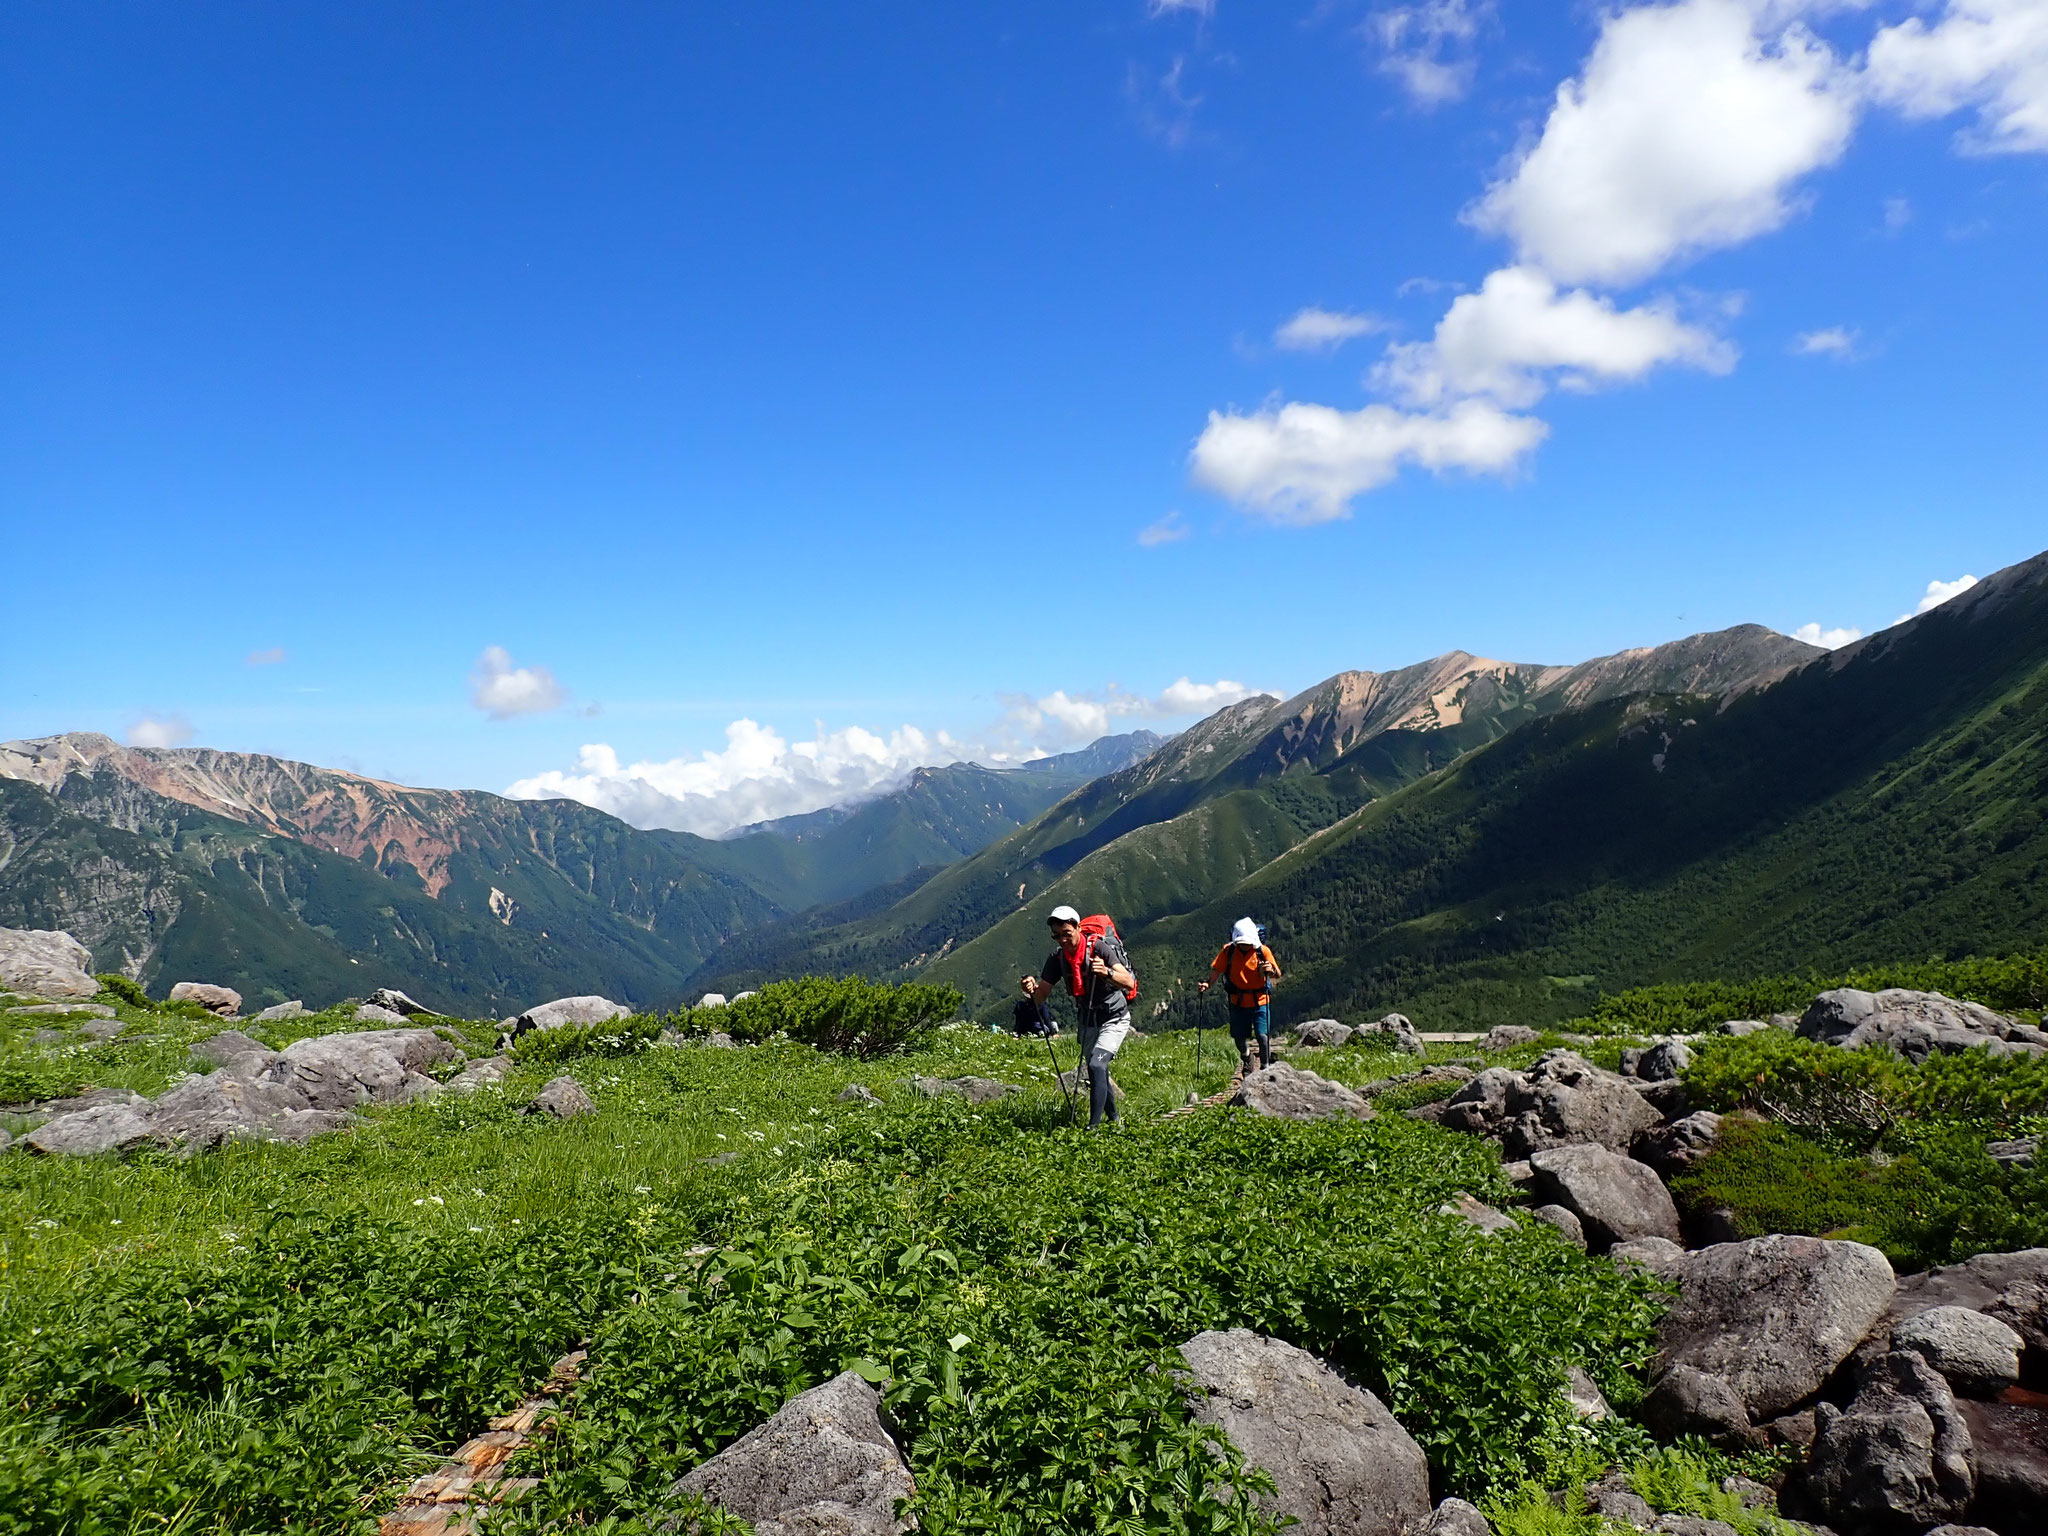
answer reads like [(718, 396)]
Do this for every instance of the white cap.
[(1063, 915), (1244, 931)]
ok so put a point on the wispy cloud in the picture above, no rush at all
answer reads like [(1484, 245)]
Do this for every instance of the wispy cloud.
[(1323, 330), (1168, 530), (1428, 48), (270, 658), (1835, 341), (1163, 103), (160, 731), (504, 691)]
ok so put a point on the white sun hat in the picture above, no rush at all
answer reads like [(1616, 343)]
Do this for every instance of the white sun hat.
[(1063, 915), (1244, 931)]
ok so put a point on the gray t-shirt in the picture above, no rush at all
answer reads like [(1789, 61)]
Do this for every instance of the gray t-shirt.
[(1102, 1001)]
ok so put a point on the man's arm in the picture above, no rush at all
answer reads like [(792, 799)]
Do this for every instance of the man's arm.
[(1269, 965), (1119, 972)]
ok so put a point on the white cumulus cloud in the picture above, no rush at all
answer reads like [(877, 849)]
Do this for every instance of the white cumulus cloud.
[(1685, 132), (1832, 639), (1300, 463), (1323, 330), (1937, 593), (160, 731), (502, 690), (1988, 54), (1518, 331), (1428, 47)]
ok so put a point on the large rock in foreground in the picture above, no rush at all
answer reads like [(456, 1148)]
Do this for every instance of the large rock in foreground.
[(1898, 1459), (1914, 1025), (1341, 1464), (1282, 1092), (1561, 1101), (379, 1066), (89, 1132), (827, 1464), (45, 962), (587, 1009), (1615, 1198), (1772, 1317)]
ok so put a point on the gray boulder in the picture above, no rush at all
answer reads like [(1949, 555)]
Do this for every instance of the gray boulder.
[(1583, 1396), (1506, 1037), (1566, 1222), (2017, 1153), (2009, 1455), (372, 1013), (1615, 1198), (1454, 1517), (88, 1132), (227, 1045), (45, 962), (291, 1010), (220, 1107), (1392, 1032), (1673, 1148), (1898, 1458), (340, 1072), (1978, 1356), (563, 1098), (857, 1093), (2012, 1287), (1283, 1092), (827, 1464), (975, 1090), (1339, 1461), (1562, 1100), (1914, 1025), (1774, 1316), (1686, 1401), (225, 1002), (1477, 1212), (398, 1002), (587, 1009), (100, 1029), (486, 1073), (1659, 1255), (1322, 1032), (1664, 1061), (70, 1010)]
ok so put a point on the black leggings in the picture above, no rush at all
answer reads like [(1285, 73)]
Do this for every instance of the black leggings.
[(1101, 1097)]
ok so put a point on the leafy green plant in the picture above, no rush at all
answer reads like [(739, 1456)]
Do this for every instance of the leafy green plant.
[(849, 1015), (116, 985), (615, 1037), (1687, 1480)]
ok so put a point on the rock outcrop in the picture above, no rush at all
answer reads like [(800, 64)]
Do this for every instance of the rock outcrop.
[(1340, 1463), (45, 962), (1673, 1148), (564, 1098), (1615, 1198), (1561, 1101), (1898, 1458), (1506, 1037), (1915, 1025), (376, 1013), (587, 1009), (1324, 1032), (291, 1010), (827, 1464), (397, 1002), (2012, 1287), (1977, 1355), (1393, 1032), (1774, 1316), (223, 1002), (1283, 1092)]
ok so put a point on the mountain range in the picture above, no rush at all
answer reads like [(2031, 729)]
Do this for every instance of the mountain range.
[(1464, 839), (282, 878)]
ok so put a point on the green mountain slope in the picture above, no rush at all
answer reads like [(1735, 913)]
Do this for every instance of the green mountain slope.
[(1884, 801), (1185, 825)]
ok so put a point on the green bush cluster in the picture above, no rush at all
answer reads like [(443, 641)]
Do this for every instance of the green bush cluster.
[(615, 1037), (849, 1015), (114, 984), (2013, 984)]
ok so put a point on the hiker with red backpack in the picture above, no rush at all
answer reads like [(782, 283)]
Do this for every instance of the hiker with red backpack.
[(1248, 970), (1089, 957)]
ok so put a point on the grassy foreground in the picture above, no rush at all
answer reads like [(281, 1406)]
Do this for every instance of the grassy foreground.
[(274, 1339)]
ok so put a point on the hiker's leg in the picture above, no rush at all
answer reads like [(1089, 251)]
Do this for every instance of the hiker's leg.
[(1264, 1030), (1241, 1035), (1101, 1101)]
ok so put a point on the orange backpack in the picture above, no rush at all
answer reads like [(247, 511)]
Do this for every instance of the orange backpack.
[(1092, 929)]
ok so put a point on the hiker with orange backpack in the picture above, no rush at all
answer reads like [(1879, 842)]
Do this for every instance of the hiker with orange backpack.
[(1089, 956), (1248, 971)]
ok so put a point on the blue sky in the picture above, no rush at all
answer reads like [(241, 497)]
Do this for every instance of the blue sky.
[(475, 394)]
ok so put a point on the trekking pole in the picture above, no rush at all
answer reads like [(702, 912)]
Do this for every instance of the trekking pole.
[(1195, 1087), (1053, 1056)]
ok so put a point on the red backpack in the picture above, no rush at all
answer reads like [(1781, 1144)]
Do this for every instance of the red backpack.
[(1092, 929)]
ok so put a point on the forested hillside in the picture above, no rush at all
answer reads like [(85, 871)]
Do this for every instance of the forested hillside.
[(1883, 802)]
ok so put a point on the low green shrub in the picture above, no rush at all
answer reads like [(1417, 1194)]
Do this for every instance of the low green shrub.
[(849, 1015), (2012, 984), (114, 984), (614, 1037)]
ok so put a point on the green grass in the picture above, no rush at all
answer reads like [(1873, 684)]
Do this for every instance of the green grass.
[(270, 1338)]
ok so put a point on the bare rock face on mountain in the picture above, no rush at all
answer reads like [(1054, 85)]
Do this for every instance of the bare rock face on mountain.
[(1615, 1198), (1283, 1092), (1898, 1458), (1563, 1100), (1915, 1025), (827, 1464), (224, 1001), (1773, 1316), (587, 1009), (1340, 1462), (44, 962)]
